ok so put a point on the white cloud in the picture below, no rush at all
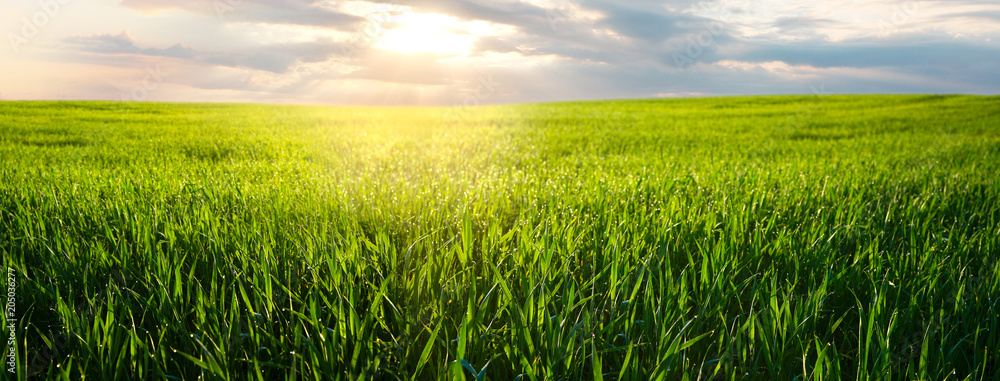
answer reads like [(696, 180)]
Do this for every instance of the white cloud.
[(428, 52)]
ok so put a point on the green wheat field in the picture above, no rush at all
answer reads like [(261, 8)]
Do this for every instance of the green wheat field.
[(743, 238)]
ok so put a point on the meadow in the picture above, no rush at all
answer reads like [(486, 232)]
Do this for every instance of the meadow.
[(737, 238)]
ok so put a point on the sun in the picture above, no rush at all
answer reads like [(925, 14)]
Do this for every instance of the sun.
[(427, 33)]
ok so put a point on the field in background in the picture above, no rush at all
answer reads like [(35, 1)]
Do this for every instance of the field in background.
[(834, 237)]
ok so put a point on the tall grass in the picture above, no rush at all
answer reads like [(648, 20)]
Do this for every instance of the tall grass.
[(729, 238)]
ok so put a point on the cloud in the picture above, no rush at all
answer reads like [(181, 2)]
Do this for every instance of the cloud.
[(298, 51), (863, 53), (402, 68), (123, 43), (501, 12), (991, 16), (646, 21), (800, 24), (275, 58), (105, 43), (293, 12), (494, 44), (278, 58)]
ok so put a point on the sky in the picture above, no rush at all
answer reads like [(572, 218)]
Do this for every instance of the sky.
[(452, 52)]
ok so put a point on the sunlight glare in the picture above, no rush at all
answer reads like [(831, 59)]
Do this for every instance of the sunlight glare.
[(427, 33)]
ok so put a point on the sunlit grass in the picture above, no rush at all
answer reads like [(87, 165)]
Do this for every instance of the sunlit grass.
[(846, 237)]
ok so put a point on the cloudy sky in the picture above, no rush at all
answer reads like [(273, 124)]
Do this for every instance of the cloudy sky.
[(447, 52)]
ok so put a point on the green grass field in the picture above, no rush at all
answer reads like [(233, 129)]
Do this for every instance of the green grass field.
[(764, 238)]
